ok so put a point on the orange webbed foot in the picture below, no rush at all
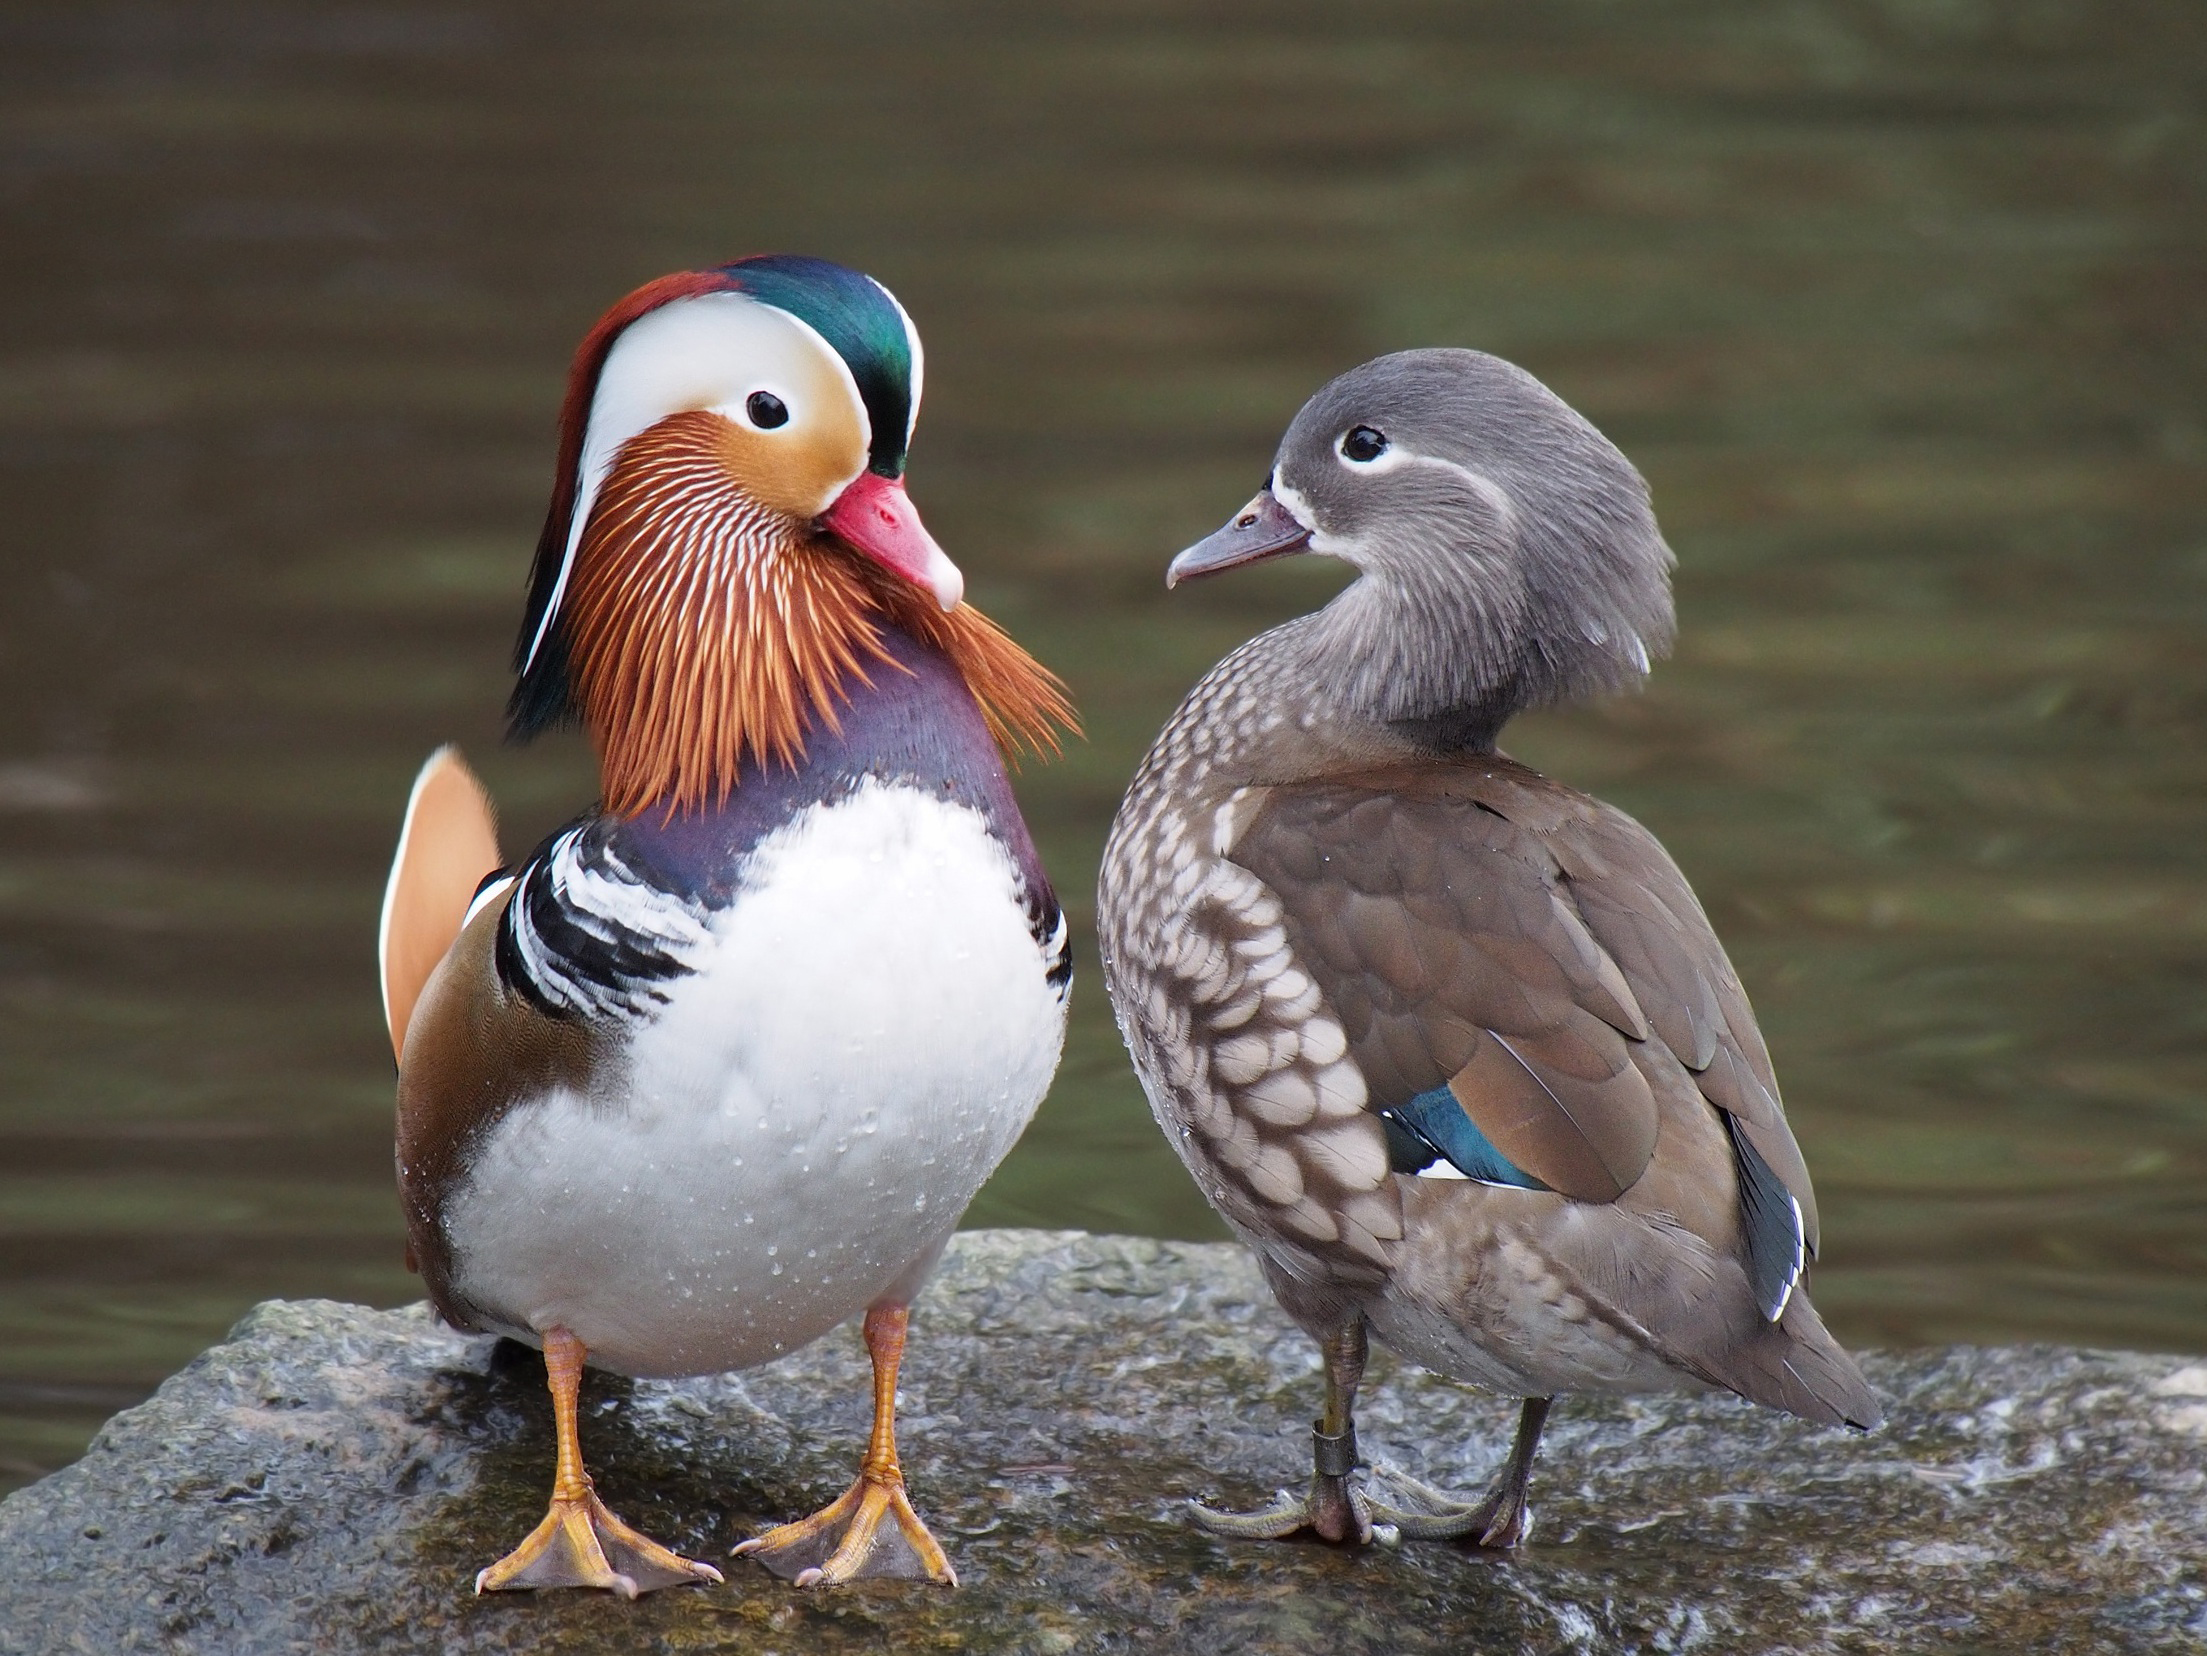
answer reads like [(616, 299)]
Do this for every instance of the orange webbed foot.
[(847, 1540), (582, 1544)]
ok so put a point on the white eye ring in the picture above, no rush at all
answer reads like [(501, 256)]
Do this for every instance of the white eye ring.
[(1361, 445)]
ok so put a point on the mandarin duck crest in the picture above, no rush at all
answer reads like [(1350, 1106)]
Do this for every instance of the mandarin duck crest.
[(729, 532)]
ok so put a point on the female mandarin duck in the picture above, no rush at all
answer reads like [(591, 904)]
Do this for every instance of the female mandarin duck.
[(1452, 1045), (720, 1064)]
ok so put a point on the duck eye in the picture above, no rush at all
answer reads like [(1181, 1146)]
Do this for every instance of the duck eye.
[(767, 411), (1363, 444)]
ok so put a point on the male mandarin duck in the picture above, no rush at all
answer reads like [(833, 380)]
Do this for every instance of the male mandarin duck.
[(1449, 1044), (719, 1065)]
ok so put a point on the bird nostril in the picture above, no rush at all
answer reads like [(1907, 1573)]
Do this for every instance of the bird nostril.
[(1245, 520)]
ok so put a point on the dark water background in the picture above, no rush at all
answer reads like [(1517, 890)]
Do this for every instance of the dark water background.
[(1898, 306)]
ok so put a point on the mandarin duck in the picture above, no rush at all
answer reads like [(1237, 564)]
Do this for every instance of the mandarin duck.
[(720, 1063), (1449, 1044)]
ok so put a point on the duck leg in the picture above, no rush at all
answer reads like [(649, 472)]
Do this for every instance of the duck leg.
[(845, 1540), (1338, 1508), (580, 1543), (1333, 1507), (1496, 1522)]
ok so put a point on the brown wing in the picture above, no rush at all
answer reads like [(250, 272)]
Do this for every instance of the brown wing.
[(1444, 942), (1638, 906), (1481, 928), (449, 842)]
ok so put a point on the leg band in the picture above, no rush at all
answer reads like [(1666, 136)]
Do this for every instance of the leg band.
[(1333, 1456)]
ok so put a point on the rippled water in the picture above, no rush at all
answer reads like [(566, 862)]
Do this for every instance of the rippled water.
[(1899, 307)]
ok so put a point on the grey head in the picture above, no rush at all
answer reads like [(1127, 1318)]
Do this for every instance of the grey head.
[(1508, 554)]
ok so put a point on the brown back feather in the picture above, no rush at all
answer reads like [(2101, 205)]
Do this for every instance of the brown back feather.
[(1479, 926)]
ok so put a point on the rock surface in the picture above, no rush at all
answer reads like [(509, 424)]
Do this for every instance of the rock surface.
[(331, 1477)]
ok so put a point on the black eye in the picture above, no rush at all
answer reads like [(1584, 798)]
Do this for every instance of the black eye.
[(1363, 443), (766, 410)]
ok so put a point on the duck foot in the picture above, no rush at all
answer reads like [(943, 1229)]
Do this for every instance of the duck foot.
[(1351, 1504), (1381, 1505), (848, 1541), (582, 1544), (1496, 1522), (1335, 1509), (1288, 1513)]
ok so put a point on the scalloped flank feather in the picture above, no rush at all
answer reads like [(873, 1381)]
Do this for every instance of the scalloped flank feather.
[(706, 633)]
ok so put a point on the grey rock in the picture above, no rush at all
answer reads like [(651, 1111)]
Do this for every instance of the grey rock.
[(330, 1478)]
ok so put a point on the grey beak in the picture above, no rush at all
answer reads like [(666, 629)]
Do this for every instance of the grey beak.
[(1262, 529)]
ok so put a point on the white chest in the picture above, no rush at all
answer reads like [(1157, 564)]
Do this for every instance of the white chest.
[(868, 1030)]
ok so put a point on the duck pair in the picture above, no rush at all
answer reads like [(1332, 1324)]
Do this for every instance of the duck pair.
[(719, 1065)]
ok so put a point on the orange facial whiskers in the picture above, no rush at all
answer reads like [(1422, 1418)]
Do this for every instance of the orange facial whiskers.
[(705, 629)]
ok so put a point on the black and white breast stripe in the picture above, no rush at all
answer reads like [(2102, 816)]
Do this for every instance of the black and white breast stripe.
[(586, 935), (1046, 921), (590, 933)]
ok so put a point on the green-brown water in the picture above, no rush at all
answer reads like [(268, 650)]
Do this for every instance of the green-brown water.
[(1900, 308)]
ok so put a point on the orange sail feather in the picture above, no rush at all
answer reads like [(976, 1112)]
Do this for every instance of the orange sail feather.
[(448, 844)]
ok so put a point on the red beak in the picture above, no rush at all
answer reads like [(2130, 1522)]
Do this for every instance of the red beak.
[(875, 516)]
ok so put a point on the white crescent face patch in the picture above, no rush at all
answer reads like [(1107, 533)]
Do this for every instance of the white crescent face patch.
[(712, 351)]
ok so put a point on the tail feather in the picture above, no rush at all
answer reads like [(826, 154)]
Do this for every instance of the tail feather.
[(448, 844), (1794, 1364)]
